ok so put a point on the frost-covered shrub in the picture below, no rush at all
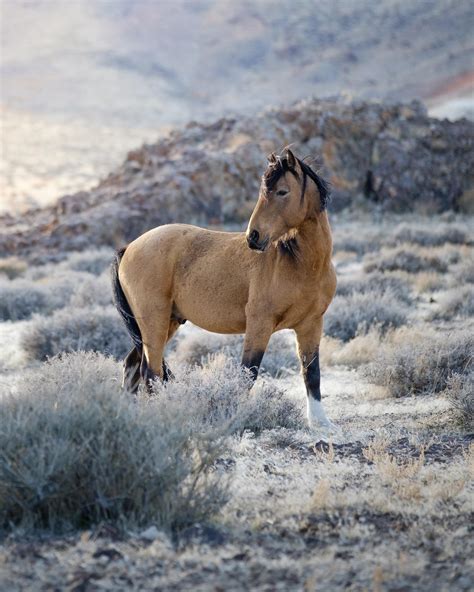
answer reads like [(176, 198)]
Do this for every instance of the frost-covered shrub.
[(458, 302), (20, 298), (218, 394), (92, 291), (356, 313), (430, 237), (76, 329), (197, 347), (94, 261), (402, 258), (376, 283), (460, 391), (419, 363), (464, 271), (78, 451)]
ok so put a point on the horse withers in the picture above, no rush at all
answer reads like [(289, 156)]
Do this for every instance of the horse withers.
[(277, 275)]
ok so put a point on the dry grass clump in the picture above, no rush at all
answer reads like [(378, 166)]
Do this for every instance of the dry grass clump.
[(360, 350), (404, 259), (77, 451), (376, 283), (429, 281), (431, 237), (218, 394), (12, 267), (420, 363), (197, 347), (460, 391), (458, 302), (67, 330), (356, 313)]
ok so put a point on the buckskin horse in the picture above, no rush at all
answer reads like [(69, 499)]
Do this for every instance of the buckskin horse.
[(276, 275)]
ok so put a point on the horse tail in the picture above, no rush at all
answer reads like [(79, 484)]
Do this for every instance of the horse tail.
[(122, 305)]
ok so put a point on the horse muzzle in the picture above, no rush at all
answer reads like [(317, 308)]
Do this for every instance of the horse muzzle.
[(255, 243)]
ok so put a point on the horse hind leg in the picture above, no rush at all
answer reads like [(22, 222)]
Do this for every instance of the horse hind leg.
[(131, 370)]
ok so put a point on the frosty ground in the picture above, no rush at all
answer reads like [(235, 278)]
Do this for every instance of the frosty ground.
[(385, 504)]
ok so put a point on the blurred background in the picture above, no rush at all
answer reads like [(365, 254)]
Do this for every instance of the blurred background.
[(85, 81)]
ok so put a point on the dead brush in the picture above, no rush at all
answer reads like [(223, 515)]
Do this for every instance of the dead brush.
[(401, 476)]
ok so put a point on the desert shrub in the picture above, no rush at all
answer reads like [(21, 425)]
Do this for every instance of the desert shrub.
[(70, 329), (197, 347), (420, 363), (430, 237), (12, 267), (94, 261), (376, 283), (429, 281), (356, 244), (400, 258), (464, 271), (458, 302), (20, 298), (460, 391), (218, 393), (92, 291), (77, 451), (356, 313), (360, 350)]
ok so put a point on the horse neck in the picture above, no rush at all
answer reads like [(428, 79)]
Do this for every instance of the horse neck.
[(315, 241)]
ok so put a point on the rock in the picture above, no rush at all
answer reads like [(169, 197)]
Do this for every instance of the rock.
[(150, 534), (392, 156)]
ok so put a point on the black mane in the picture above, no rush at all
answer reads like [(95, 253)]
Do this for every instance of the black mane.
[(278, 168)]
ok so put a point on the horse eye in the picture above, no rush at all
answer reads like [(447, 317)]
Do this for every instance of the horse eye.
[(282, 192)]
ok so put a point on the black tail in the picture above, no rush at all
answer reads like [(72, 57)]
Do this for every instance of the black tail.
[(122, 304)]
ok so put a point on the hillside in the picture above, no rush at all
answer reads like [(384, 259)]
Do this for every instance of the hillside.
[(84, 82), (381, 157)]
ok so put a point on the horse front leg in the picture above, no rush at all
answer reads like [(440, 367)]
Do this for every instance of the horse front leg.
[(257, 336), (308, 336)]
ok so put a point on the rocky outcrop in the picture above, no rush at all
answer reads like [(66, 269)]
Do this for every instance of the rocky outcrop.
[(393, 156)]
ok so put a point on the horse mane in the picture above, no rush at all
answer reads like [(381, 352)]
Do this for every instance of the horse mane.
[(277, 169)]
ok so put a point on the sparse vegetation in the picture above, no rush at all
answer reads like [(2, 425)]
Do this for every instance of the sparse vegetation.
[(97, 329), (197, 348), (457, 302), (405, 259), (95, 455), (460, 391), (431, 237), (218, 394), (421, 363), (356, 313), (377, 283)]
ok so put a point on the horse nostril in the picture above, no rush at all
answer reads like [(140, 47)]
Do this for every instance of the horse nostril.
[(254, 236)]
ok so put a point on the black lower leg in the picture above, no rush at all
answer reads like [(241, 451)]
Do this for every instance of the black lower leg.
[(147, 374), (252, 360), (131, 370), (167, 374), (312, 375)]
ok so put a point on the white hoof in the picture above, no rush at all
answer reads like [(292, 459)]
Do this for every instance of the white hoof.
[(317, 418)]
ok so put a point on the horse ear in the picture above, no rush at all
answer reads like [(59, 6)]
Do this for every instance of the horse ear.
[(272, 158), (290, 157)]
